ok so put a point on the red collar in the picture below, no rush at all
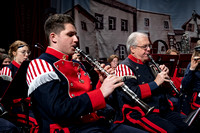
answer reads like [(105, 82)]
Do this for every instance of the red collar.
[(56, 53), (15, 64), (131, 57)]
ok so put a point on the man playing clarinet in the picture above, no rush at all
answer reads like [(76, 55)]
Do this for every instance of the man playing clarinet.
[(61, 92), (149, 87)]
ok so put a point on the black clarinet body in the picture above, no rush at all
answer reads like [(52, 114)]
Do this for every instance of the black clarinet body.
[(146, 108), (171, 82)]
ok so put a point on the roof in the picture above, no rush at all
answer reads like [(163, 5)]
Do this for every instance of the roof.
[(118, 5), (194, 16), (84, 12)]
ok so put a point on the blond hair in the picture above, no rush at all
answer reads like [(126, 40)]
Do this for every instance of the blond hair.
[(14, 46), (110, 59)]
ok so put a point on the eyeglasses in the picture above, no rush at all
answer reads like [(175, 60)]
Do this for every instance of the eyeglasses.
[(25, 52), (144, 47)]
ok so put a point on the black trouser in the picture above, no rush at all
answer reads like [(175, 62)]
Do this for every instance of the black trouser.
[(7, 127), (170, 121)]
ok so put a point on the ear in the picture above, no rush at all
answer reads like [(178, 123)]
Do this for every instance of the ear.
[(132, 49), (52, 37), (14, 53)]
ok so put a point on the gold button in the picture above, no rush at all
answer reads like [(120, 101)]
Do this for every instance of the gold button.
[(80, 80), (71, 84), (64, 57)]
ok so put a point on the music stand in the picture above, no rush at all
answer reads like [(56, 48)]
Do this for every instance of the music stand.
[(18, 88), (184, 60)]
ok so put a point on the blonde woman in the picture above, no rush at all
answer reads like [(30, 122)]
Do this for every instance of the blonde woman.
[(19, 52), (114, 61)]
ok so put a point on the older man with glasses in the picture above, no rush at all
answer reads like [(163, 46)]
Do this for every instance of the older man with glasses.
[(148, 87)]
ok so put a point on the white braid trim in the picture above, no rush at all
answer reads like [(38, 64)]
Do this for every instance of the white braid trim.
[(42, 79), (6, 77)]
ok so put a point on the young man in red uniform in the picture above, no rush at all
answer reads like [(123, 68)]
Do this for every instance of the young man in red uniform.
[(148, 87), (60, 88)]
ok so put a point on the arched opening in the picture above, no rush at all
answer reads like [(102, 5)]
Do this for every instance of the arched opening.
[(159, 47)]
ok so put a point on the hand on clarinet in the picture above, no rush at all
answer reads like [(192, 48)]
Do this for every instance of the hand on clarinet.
[(162, 76), (109, 84), (194, 63), (102, 75), (164, 68)]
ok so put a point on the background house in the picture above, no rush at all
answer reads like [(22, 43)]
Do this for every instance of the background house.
[(25, 21), (159, 28), (104, 30), (116, 21), (86, 31), (192, 32)]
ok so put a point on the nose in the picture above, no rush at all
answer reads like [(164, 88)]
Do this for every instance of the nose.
[(75, 38), (149, 48), (27, 55)]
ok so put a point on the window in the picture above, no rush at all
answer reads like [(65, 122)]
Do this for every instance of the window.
[(146, 22), (190, 27), (166, 24), (198, 29), (124, 25), (99, 24), (112, 23), (122, 51), (83, 25), (87, 50)]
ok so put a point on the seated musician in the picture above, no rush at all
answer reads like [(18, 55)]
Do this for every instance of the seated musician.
[(148, 88), (177, 82), (19, 52), (60, 89), (191, 82)]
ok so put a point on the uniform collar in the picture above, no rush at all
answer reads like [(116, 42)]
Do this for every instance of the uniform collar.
[(131, 57), (56, 53), (15, 64)]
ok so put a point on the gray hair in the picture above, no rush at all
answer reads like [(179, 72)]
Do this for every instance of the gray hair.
[(132, 39)]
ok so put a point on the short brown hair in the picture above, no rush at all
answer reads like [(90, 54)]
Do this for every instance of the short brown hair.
[(55, 23), (112, 57), (168, 52)]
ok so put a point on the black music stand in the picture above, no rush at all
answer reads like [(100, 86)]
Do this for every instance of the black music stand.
[(184, 60), (168, 60), (18, 88)]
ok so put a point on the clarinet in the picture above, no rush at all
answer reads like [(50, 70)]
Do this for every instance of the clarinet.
[(171, 82), (146, 108)]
